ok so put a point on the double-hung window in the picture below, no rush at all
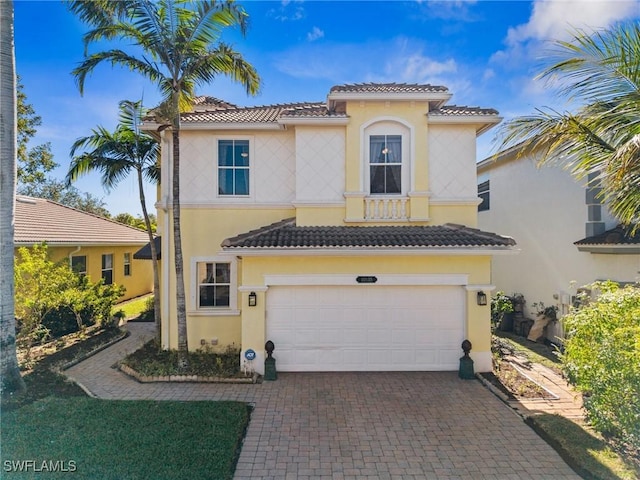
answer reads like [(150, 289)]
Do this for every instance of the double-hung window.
[(127, 264), (214, 284), (385, 164), (233, 167), (79, 264), (107, 268)]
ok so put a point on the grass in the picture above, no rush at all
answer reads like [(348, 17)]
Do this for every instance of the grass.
[(533, 351), (588, 454), (127, 439), (136, 307), (55, 422)]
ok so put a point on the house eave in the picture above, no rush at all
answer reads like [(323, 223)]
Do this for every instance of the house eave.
[(610, 249), (314, 121), (482, 122), (50, 243), (219, 126)]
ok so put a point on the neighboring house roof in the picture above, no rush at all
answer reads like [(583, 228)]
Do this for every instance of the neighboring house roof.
[(145, 252), (286, 235), (616, 240), (39, 220)]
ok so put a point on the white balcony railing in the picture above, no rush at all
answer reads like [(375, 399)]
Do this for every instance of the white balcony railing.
[(385, 208)]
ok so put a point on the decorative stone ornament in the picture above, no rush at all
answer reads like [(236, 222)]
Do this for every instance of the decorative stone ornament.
[(270, 372), (465, 371)]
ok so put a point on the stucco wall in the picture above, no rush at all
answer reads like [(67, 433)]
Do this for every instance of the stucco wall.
[(544, 210), (140, 282)]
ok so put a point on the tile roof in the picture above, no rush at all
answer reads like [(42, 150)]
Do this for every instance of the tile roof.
[(259, 114), (38, 220), (455, 110), (388, 88), (286, 234), (145, 252), (616, 236)]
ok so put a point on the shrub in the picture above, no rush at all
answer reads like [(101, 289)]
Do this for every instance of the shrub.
[(51, 300), (602, 359)]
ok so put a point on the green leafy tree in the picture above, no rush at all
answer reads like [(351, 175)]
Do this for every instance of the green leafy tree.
[(33, 163), (137, 222), (36, 163), (600, 141), (10, 379), (602, 359), (117, 154), (178, 47)]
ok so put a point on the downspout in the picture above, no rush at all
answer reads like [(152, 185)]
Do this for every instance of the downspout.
[(71, 254)]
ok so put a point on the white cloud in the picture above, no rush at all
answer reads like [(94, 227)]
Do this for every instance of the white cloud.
[(289, 11), (315, 34), (554, 19)]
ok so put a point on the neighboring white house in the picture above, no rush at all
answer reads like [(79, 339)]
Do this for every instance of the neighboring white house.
[(566, 237)]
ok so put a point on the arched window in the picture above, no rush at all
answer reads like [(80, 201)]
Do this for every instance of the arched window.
[(386, 158)]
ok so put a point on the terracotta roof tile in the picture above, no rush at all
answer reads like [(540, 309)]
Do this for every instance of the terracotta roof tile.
[(38, 220), (259, 114), (453, 110), (286, 234), (388, 88)]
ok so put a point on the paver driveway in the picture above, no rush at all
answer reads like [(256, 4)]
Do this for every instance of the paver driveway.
[(357, 425)]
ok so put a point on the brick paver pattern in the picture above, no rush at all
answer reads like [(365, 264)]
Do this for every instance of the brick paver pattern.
[(396, 425)]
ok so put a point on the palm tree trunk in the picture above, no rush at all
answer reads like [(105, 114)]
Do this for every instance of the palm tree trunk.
[(11, 381), (183, 346), (154, 260)]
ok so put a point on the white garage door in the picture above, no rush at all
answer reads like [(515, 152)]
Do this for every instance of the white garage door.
[(366, 328)]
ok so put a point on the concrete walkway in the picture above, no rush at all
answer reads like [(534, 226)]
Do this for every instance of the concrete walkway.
[(410, 425), (568, 403)]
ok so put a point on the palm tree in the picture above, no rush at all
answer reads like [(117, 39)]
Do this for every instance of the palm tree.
[(181, 49), (10, 378), (600, 71), (116, 155)]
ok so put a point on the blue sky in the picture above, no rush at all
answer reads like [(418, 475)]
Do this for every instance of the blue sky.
[(486, 52)]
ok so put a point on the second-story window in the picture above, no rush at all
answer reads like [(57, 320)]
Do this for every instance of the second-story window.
[(483, 193), (385, 164), (233, 167)]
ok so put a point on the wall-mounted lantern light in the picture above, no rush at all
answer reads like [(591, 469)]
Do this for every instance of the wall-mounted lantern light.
[(253, 299), (482, 298)]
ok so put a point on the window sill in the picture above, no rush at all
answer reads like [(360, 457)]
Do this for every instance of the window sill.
[(213, 313)]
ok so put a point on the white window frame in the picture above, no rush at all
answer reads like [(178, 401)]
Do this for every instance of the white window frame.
[(126, 264), (250, 168), (84, 272), (103, 269), (196, 309), (388, 126)]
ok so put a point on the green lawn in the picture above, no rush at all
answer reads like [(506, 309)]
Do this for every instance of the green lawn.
[(588, 454), (125, 439), (133, 308)]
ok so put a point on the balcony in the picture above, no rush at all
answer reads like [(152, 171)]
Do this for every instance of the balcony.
[(386, 208)]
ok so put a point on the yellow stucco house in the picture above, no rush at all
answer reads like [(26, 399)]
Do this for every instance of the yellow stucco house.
[(93, 246), (343, 231)]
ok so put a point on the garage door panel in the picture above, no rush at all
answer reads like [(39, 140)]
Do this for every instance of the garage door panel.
[(362, 328)]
